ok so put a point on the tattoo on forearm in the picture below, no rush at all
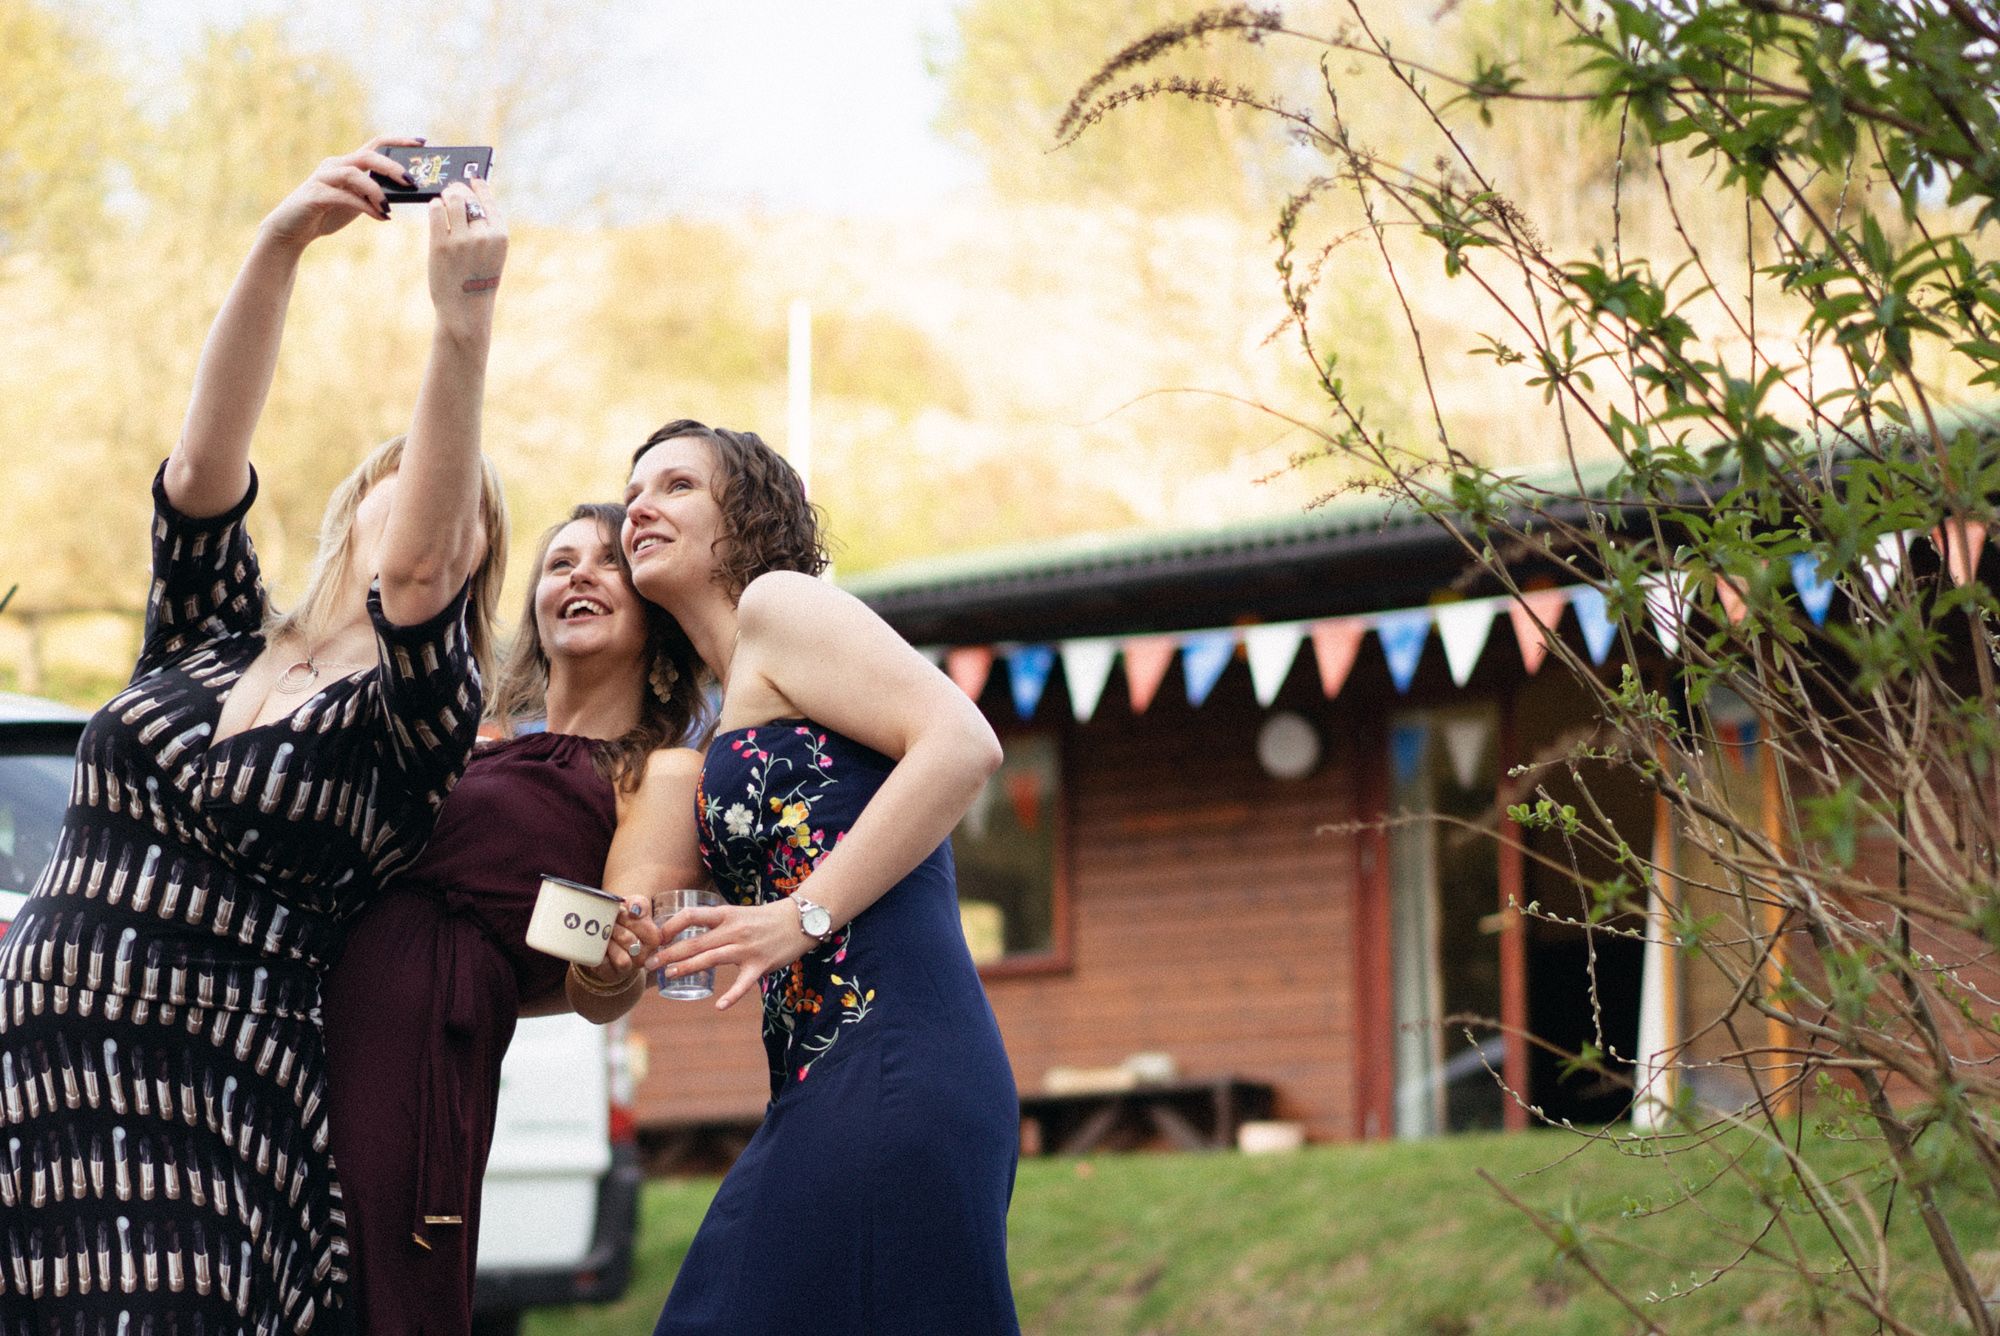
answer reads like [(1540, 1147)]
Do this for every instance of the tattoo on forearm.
[(486, 284)]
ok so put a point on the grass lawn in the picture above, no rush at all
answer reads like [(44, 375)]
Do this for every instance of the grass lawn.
[(1382, 1238)]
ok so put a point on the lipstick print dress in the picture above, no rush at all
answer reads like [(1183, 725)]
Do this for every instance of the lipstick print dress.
[(163, 1117), (873, 1197)]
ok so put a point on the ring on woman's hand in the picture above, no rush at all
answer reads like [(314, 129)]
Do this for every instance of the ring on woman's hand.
[(473, 209)]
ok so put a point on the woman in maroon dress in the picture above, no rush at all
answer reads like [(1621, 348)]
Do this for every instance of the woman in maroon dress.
[(423, 1003)]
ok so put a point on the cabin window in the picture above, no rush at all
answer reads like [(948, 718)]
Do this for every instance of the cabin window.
[(1008, 850)]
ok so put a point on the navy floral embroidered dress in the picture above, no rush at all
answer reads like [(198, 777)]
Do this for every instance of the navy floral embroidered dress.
[(163, 1115), (873, 1199)]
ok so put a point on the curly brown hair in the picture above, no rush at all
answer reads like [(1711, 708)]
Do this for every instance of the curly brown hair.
[(767, 522), (520, 693)]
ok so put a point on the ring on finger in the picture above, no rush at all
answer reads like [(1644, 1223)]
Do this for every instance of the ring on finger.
[(474, 210)]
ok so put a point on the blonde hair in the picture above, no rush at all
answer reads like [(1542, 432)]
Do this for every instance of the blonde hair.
[(336, 550), (671, 703)]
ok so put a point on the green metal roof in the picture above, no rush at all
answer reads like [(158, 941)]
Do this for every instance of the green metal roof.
[(1083, 553)]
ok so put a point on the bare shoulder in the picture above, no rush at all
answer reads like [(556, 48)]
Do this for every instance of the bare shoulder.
[(669, 765), (781, 596), (667, 780)]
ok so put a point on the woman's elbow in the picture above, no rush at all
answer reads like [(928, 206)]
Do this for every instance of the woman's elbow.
[(982, 749)]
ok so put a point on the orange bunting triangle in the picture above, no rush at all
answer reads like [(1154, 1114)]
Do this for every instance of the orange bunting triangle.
[(1335, 644), (1960, 543), (1544, 606), (1147, 659), (968, 666)]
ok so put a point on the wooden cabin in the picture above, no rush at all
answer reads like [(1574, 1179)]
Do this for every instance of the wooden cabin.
[(1179, 889)]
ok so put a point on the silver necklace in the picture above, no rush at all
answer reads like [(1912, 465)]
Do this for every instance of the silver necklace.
[(303, 673)]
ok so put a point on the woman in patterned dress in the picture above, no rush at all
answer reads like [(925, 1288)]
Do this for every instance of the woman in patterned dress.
[(873, 1197), (423, 1003), (163, 1134)]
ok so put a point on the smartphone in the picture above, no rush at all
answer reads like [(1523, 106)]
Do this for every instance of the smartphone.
[(432, 168)]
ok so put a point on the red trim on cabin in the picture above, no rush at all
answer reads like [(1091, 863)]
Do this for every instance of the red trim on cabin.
[(1374, 1025)]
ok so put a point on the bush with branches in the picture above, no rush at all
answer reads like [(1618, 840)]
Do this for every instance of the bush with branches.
[(1768, 453)]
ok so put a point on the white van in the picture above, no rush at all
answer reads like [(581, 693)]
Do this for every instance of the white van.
[(561, 1203)]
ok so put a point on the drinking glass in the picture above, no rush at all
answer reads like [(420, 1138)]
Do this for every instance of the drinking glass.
[(687, 987)]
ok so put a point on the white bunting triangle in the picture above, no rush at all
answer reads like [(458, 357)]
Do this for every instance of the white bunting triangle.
[(1086, 668), (1465, 738), (1666, 599), (1464, 627), (1271, 650), (1885, 563)]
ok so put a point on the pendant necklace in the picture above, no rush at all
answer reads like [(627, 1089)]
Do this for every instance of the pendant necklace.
[(303, 673)]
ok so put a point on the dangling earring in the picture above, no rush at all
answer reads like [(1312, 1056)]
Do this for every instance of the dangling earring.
[(662, 677)]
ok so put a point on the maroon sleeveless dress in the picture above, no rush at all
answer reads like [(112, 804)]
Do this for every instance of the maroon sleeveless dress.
[(421, 1007)]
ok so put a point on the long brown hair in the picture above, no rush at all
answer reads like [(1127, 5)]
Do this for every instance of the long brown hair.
[(767, 522), (336, 531), (522, 690)]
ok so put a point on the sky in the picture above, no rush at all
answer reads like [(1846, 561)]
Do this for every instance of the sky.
[(660, 106)]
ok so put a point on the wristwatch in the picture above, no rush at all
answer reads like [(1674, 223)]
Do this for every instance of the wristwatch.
[(814, 921)]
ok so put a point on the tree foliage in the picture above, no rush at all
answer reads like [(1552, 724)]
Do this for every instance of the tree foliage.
[(1775, 396), (61, 128)]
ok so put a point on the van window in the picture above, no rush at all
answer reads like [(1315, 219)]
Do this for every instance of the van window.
[(34, 790)]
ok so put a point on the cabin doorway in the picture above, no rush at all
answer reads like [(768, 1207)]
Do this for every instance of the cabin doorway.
[(1583, 985)]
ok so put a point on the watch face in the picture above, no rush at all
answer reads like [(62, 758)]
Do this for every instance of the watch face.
[(816, 921)]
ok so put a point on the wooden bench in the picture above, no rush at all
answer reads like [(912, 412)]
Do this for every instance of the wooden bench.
[(1187, 1115)]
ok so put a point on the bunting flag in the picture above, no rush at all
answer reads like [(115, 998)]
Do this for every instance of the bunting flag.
[(1028, 669), (1465, 738), (1336, 644), (1961, 554), (1024, 791), (1536, 605), (1666, 600), (1147, 659), (1598, 628), (1086, 668), (1406, 751), (1464, 628), (1403, 635), (1204, 657), (969, 665), (1815, 590), (1730, 594), (1271, 650), (1884, 565)]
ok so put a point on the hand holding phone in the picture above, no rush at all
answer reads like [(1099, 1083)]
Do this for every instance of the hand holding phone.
[(431, 168)]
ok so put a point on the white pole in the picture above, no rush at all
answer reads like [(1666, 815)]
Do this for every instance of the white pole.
[(798, 446)]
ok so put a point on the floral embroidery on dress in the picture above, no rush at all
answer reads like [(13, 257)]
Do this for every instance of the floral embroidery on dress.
[(760, 842)]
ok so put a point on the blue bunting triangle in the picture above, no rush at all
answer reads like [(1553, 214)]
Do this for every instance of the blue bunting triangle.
[(1204, 657), (1598, 628), (1406, 751), (1028, 669), (1815, 590), (1403, 634)]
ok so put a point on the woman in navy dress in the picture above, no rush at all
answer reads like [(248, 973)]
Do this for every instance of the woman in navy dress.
[(163, 1132), (873, 1198), (422, 1006)]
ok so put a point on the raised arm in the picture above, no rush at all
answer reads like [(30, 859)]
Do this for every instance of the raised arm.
[(653, 849), (210, 467), (432, 539), (842, 666)]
